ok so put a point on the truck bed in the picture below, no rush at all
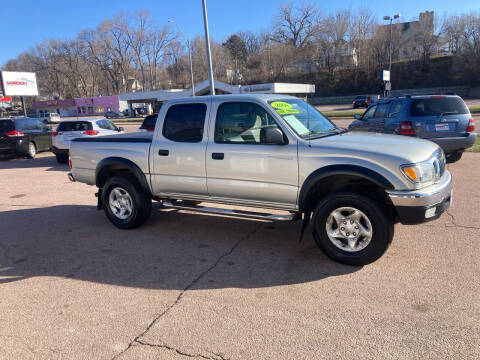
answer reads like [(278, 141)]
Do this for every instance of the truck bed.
[(86, 153)]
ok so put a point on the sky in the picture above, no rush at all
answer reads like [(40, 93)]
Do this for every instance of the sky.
[(25, 23)]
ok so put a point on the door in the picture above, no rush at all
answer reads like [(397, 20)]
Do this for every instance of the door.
[(178, 151), (377, 123), (364, 123), (394, 116), (241, 166), (45, 135)]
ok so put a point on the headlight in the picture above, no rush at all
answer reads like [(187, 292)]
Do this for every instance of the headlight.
[(419, 172)]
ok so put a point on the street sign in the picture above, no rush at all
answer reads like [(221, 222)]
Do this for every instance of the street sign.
[(386, 75), (19, 83), (5, 98)]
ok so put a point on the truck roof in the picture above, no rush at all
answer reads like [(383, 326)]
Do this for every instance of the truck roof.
[(264, 97)]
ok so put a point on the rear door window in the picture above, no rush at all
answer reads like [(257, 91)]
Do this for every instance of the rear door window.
[(435, 106), (185, 122), (395, 109), (74, 126), (382, 110), (106, 125), (22, 125)]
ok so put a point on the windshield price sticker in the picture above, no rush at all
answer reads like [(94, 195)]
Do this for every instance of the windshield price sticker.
[(296, 124), (283, 108)]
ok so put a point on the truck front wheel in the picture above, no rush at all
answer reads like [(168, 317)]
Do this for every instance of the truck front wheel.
[(125, 203), (351, 228)]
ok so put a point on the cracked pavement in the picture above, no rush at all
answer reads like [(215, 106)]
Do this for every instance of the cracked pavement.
[(207, 287)]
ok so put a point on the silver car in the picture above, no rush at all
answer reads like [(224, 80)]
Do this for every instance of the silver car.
[(68, 130)]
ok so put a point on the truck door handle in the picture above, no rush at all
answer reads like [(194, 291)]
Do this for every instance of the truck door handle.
[(163, 152), (218, 156)]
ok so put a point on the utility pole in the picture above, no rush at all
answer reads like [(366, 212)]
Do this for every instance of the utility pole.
[(209, 53), (23, 106)]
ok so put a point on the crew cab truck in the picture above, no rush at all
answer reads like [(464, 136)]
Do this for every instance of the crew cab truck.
[(272, 152)]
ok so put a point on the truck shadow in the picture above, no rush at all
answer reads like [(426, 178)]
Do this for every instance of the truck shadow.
[(168, 252), (43, 160)]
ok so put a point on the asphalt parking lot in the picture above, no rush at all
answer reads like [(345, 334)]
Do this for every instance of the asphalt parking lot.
[(187, 285)]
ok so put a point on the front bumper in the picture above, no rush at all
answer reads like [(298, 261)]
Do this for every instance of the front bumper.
[(457, 143), (418, 206)]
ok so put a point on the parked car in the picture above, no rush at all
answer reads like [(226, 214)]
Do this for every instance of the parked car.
[(68, 130), (272, 152), (113, 115), (25, 136), (148, 123), (443, 119), (49, 118), (141, 111), (362, 101)]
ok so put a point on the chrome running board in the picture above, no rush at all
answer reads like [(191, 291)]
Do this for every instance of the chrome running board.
[(230, 212)]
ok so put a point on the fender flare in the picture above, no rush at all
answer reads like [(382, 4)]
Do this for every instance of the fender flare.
[(331, 170), (126, 164)]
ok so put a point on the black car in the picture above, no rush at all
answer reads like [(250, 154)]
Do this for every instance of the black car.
[(112, 115), (149, 123), (362, 101), (25, 136)]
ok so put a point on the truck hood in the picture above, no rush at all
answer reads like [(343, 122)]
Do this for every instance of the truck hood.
[(373, 145)]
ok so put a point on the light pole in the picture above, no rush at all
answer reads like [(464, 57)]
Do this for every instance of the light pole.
[(189, 53), (209, 53), (389, 18), (388, 85)]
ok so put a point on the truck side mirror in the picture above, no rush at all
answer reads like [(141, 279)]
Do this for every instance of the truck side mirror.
[(272, 135)]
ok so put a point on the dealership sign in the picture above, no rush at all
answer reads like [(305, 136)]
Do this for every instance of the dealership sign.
[(19, 83)]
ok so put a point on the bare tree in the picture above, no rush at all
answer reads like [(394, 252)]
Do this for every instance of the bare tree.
[(296, 25)]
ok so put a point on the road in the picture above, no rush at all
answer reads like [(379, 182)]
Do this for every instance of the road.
[(187, 285)]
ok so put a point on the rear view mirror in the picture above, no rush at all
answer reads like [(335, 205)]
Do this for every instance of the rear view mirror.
[(271, 135), (358, 116), (120, 128)]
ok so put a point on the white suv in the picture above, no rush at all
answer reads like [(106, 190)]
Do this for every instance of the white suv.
[(49, 118), (71, 129)]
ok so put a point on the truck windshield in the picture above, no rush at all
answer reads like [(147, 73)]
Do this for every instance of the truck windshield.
[(303, 118)]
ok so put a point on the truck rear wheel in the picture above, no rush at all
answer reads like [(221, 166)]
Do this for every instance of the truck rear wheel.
[(352, 229), (125, 203)]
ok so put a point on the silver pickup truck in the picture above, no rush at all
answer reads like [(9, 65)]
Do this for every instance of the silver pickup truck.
[(271, 152)]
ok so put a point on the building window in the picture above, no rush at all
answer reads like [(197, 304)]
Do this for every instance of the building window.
[(99, 109)]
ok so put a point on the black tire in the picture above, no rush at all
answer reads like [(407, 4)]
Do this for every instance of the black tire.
[(62, 158), (141, 203), (31, 150), (453, 156), (382, 228)]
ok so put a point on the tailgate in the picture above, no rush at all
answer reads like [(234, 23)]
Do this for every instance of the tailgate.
[(439, 116)]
